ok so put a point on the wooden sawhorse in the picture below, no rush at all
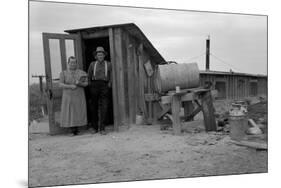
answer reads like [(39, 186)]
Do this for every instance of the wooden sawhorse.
[(172, 102)]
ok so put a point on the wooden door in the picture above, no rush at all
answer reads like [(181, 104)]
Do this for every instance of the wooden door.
[(57, 49)]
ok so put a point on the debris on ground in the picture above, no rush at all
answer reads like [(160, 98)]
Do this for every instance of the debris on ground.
[(256, 145)]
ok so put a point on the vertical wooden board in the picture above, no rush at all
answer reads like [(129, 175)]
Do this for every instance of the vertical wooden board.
[(248, 88), (126, 74), (234, 87), (148, 87), (141, 95), (136, 77), (79, 51), (208, 112), (176, 104), (83, 53), (231, 87), (227, 88), (133, 81), (131, 89), (114, 81), (141, 82), (119, 73)]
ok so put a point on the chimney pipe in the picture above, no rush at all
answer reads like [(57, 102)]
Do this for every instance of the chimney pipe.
[(208, 53)]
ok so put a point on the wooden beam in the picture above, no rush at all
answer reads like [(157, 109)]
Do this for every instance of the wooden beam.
[(97, 34), (208, 112), (120, 73), (79, 51), (176, 103)]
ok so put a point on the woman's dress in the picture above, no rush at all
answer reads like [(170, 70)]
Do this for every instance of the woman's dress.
[(73, 107)]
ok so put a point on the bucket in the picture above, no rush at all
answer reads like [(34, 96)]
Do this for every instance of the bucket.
[(139, 119)]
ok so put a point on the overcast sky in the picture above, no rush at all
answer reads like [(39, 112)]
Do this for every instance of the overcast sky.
[(239, 41)]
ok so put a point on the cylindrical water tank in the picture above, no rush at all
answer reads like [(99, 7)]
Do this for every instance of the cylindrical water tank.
[(171, 75)]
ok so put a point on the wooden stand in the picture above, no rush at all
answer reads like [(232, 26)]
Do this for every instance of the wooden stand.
[(172, 102)]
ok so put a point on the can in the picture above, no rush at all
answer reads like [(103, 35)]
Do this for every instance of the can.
[(238, 127)]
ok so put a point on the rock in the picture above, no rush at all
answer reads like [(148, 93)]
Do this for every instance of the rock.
[(261, 126), (254, 131)]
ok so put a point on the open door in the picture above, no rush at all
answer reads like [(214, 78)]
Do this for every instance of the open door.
[(57, 49)]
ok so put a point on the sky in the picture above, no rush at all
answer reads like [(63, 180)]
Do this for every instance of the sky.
[(238, 42)]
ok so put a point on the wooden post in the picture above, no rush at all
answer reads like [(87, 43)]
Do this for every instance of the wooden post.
[(208, 111), (176, 103), (114, 81), (149, 120)]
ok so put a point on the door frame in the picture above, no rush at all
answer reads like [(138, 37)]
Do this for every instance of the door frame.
[(53, 126)]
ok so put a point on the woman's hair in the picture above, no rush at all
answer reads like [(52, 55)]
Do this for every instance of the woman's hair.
[(70, 58)]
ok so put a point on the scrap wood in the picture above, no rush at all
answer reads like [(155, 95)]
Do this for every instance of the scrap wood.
[(255, 145)]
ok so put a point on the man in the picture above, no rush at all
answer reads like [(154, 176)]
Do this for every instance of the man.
[(99, 82)]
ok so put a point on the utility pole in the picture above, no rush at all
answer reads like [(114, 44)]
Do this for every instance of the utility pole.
[(40, 81), (208, 53)]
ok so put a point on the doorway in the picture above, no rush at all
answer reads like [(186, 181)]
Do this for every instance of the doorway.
[(90, 46)]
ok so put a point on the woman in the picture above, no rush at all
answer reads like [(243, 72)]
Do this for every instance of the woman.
[(73, 107)]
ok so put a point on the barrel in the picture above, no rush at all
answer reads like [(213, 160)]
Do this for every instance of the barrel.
[(171, 75)]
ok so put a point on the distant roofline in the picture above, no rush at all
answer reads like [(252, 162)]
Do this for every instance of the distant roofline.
[(231, 73)]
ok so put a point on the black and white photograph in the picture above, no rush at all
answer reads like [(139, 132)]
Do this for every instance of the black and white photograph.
[(123, 93)]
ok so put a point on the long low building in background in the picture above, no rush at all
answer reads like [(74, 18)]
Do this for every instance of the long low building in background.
[(232, 85)]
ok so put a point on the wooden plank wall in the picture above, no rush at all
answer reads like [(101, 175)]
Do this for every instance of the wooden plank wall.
[(235, 90), (131, 76), (138, 83)]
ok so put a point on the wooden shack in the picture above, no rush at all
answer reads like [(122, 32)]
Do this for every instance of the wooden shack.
[(134, 63), (234, 85)]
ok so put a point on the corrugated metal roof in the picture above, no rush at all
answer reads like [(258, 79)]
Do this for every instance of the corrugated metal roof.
[(231, 73), (134, 30)]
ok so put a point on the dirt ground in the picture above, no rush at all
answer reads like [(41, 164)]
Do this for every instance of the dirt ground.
[(142, 152)]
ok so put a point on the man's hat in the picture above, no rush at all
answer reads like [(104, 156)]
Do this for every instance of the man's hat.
[(99, 49)]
